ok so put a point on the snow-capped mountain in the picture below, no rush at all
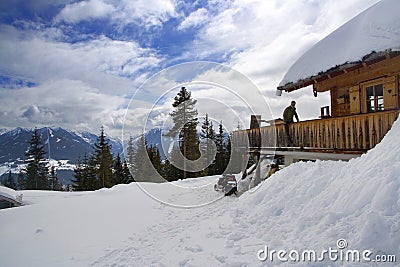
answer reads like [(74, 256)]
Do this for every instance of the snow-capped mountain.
[(62, 147), (59, 144)]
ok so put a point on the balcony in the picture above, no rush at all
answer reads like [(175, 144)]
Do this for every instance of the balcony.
[(353, 134)]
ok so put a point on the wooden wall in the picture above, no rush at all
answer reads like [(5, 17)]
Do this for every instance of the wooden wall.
[(347, 90)]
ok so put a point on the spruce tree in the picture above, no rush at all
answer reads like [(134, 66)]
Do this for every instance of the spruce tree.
[(141, 163), (118, 174), (102, 161), (9, 181), (78, 180), (166, 169), (185, 121), (130, 160), (220, 158), (155, 158), (21, 181), (172, 173), (85, 175), (128, 178), (55, 184), (147, 167), (207, 136), (36, 170)]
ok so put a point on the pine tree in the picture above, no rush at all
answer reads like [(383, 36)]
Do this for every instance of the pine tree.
[(220, 158), (9, 181), (172, 173), (36, 170), (102, 162), (78, 180), (130, 160), (55, 184), (207, 129), (141, 164), (185, 121), (21, 181), (147, 167), (118, 174), (166, 170), (128, 178), (155, 158), (207, 136), (84, 175)]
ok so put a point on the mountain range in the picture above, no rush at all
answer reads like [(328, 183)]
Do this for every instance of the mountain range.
[(59, 144), (62, 147)]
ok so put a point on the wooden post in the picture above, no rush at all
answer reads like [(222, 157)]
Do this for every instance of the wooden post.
[(245, 159), (257, 175)]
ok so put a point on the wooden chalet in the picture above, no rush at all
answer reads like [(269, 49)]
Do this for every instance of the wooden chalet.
[(365, 102)]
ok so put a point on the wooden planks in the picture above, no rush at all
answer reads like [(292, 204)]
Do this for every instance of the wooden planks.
[(349, 133)]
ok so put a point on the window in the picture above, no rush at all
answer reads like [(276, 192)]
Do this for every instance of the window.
[(374, 98), (381, 94)]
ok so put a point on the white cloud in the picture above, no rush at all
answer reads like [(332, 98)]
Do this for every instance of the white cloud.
[(121, 12), (103, 63), (84, 10), (79, 86), (66, 103), (196, 18), (37, 114), (264, 38), (149, 12)]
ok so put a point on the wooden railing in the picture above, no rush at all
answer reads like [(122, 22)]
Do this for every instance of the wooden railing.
[(350, 133)]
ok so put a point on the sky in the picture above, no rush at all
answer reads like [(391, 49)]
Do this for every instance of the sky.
[(81, 65)]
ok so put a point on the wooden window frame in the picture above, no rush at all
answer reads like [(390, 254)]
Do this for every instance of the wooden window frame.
[(378, 101)]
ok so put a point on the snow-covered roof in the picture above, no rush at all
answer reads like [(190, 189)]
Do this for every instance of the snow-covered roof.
[(10, 195), (376, 29)]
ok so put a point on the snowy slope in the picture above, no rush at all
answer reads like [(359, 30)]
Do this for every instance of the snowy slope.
[(304, 206), (375, 29)]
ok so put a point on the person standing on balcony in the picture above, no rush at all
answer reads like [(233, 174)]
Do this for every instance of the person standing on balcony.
[(288, 115)]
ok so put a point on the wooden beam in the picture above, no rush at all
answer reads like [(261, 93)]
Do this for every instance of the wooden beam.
[(356, 76), (349, 68)]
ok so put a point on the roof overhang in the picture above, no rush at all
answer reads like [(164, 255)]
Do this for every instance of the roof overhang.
[(335, 72)]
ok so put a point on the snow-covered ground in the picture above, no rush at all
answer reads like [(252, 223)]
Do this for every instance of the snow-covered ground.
[(306, 206)]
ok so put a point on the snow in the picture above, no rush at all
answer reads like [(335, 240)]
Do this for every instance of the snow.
[(375, 29), (3, 169), (308, 205), (60, 164), (7, 192), (16, 166)]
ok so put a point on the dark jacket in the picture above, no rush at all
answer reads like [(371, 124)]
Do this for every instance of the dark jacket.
[(288, 114)]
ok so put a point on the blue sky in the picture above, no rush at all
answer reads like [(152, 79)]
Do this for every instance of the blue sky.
[(76, 64)]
